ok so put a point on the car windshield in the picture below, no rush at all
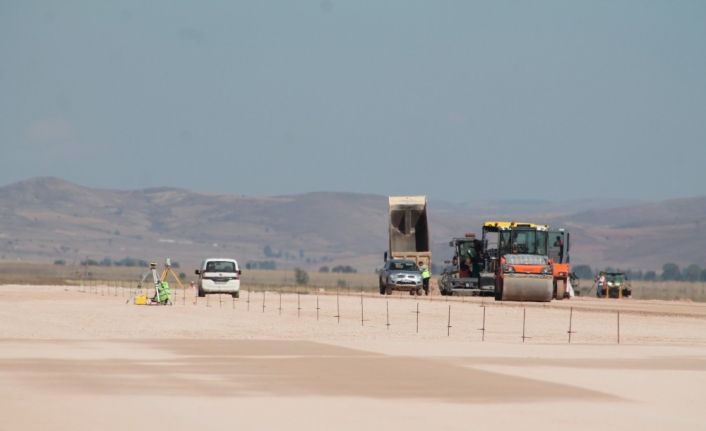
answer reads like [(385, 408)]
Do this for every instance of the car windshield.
[(220, 266), (403, 265), (614, 278)]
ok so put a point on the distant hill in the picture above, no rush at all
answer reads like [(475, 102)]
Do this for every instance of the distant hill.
[(49, 218), (642, 236)]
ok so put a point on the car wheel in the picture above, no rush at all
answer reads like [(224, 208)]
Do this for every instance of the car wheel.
[(388, 290), (201, 293), (382, 289)]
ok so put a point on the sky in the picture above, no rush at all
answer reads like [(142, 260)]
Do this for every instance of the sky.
[(458, 100)]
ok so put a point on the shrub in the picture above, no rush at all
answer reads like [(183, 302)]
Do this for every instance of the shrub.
[(347, 269), (301, 276)]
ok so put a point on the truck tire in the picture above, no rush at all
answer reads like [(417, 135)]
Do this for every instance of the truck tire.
[(498, 293)]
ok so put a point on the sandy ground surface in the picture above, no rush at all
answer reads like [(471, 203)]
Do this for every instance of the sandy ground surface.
[(73, 359)]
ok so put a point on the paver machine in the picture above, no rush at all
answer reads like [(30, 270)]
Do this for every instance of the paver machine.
[(515, 258), (461, 276)]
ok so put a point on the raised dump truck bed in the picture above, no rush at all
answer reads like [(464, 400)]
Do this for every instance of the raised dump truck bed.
[(409, 229)]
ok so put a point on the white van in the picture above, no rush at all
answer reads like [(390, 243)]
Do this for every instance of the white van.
[(219, 275)]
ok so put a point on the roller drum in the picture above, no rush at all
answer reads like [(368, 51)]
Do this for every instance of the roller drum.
[(521, 287)]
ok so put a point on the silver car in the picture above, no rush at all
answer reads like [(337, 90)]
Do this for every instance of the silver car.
[(400, 274)]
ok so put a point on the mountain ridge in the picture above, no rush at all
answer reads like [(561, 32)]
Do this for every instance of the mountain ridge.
[(48, 218)]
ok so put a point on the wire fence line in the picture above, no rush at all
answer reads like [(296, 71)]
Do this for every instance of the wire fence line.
[(472, 319)]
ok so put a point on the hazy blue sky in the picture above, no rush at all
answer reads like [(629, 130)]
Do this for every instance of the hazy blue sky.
[(521, 99)]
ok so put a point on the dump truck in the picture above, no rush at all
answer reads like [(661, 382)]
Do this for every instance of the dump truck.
[(409, 229), (515, 258)]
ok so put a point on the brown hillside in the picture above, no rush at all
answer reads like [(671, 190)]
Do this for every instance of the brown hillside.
[(49, 218)]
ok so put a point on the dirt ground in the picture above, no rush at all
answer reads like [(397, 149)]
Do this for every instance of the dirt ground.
[(76, 358)]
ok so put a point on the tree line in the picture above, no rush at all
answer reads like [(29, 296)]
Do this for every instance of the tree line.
[(345, 269), (126, 261), (670, 272)]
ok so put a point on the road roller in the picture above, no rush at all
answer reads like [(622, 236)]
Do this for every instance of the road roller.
[(516, 260)]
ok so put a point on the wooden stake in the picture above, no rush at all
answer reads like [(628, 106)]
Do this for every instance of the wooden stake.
[(448, 325), (417, 317), (483, 328), (338, 308), (361, 308), (387, 313), (618, 326)]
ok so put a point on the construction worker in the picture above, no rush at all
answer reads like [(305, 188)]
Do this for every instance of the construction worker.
[(161, 294), (465, 268), (426, 275), (600, 285), (559, 244)]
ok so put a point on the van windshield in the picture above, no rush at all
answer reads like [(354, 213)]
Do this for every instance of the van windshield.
[(220, 266)]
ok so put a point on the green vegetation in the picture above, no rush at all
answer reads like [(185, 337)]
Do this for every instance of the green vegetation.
[(583, 272), (262, 264), (347, 269), (301, 276), (127, 262)]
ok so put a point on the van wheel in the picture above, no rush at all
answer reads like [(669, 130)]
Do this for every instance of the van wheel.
[(236, 295), (201, 293)]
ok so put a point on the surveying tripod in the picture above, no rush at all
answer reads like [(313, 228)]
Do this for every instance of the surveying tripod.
[(158, 279)]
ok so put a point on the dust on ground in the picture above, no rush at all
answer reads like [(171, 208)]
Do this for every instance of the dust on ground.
[(92, 360)]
